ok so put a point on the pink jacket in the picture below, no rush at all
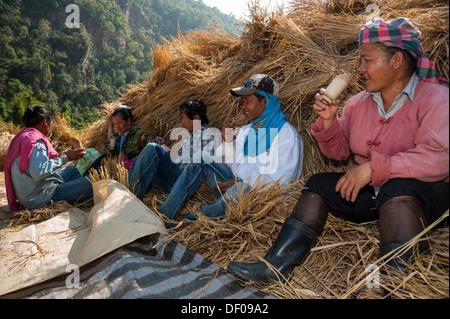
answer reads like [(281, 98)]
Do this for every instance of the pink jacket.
[(22, 145), (413, 143)]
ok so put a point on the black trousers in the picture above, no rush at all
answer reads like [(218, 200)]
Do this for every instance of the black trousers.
[(434, 196)]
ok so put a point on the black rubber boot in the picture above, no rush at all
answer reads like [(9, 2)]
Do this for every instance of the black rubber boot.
[(401, 219), (296, 238), (289, 250)]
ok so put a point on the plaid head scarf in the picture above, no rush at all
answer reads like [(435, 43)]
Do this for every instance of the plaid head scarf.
[(403, 34)]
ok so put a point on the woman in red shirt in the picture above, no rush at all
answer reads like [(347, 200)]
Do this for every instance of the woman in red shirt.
[(398, 132)]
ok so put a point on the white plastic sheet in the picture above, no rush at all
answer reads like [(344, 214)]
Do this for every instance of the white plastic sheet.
[(74, 238)]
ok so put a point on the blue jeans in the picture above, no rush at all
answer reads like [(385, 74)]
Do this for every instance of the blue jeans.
[(74, 188), (190, 180), (154, 167)]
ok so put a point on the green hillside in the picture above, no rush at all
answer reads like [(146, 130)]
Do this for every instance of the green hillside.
[(72, 69)]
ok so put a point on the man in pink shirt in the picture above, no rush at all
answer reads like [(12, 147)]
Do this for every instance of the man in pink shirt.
[(398, 132)]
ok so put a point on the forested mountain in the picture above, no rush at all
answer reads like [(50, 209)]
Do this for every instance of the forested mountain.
[(46, 58)]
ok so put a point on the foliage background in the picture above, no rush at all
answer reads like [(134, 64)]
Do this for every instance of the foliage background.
[(74, 71)]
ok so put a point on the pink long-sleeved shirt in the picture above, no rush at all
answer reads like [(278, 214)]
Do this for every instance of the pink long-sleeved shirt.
[(413, 143)]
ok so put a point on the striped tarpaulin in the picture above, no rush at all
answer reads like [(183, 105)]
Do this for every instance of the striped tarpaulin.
[(143, 270)]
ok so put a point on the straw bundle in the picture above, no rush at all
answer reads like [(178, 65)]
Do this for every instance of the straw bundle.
[(338, 263), (61, 134), (110, 168), (5, 138)]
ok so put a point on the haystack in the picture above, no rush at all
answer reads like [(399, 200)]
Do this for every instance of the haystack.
[(303, 48)]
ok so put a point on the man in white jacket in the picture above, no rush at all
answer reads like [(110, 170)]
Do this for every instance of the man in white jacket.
[(266, 150)]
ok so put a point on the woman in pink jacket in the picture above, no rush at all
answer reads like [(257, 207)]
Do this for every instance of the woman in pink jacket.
[(398, 132)]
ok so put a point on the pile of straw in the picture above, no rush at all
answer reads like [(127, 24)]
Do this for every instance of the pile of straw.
[(336, 267), (303, 50), (59, 137), (27, 217), (111, 168), (5, 138)]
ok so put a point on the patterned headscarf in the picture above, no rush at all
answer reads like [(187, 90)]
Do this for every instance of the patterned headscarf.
[(403, 34)]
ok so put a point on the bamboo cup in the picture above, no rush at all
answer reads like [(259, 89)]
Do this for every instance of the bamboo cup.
[(336, 87), (111, 139), (76, 143)]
